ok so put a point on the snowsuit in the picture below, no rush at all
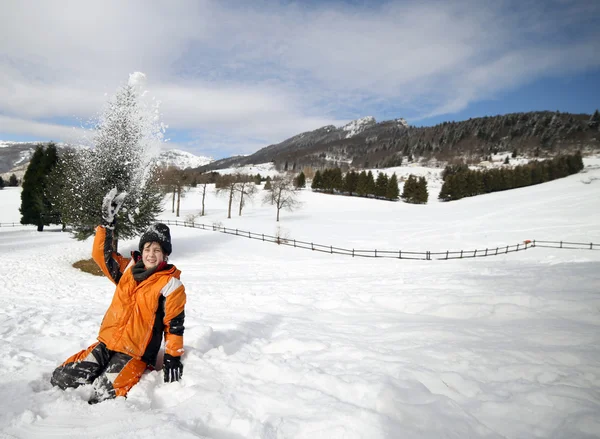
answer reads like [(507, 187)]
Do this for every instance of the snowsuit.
[(131, 332)]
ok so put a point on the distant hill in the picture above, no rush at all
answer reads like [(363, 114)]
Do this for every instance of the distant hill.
[(15, 156), (365, 143)]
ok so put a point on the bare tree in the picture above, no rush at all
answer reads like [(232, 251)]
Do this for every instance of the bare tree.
[(202, 183), (175, 180), (226, 187), (282, 194), (246, 189)]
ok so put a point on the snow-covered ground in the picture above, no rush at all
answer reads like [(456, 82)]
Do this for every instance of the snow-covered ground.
[(289, 343)]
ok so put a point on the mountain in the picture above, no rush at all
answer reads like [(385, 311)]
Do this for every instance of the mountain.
[(182, 159), (365, 143), (15, 156)]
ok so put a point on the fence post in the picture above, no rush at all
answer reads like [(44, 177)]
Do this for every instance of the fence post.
[(591, 246), (375, 252), (485, 252), (263, 235), (560, 244), (496, 251), (236, 232), (428, 255), (447, 251), (312, 247), (461, 253), (518, 247), (399, 254), (249, 235), (294, 243), (475, 254), (352, 252)]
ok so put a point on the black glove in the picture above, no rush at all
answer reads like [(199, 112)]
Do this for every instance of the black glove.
[(173, 368)]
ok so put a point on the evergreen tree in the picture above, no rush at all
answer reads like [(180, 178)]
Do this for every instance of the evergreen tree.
[(13, 181), (1, 183), (31, 195), (447, 191), (257, 179), (422, 195), (317, 182), (392, 191), (267, 184), (370, 183), (381, 185), (337, 180), (409, 190), (35, 208), (362, 184), (350, 182), (300, 180), (126, 140)]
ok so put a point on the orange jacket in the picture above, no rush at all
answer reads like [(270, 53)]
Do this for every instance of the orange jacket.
[(129, 322)]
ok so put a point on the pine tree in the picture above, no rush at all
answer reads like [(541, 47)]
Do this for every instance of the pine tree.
[(1, 183), (300, 180), (362, 184), (350, 182), (370, 183), (447, 191), (317, 182), (267, 185), (13, 181), (381, 185), (36, 208), (126, 140), (409, 188), (392, 191), (422, 195), (31, 195), (337, 180)]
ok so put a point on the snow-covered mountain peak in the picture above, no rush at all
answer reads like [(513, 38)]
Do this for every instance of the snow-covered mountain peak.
[(182, 159), (358, 126), (402, 122)]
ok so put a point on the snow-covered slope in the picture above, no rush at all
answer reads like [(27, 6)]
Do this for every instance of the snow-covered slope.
[(358, 126), (288, 343), (15, 156), (182, 159)]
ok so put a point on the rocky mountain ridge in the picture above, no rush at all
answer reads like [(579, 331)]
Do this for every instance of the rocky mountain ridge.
[(366, 143)]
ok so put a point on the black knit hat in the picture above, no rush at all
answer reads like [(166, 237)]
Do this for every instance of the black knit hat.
[(160, 233)]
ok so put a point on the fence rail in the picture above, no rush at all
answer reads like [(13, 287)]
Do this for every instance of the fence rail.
[(11, 225), (394, 254), (567, 245)]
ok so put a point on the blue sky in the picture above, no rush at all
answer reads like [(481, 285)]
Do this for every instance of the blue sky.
[(235, 76)]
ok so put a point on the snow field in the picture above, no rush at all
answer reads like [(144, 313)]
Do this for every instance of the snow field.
[(289, 343)]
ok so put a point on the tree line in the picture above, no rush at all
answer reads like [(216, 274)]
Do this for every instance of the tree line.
[(460, 181), (353, 183), (13, 181)]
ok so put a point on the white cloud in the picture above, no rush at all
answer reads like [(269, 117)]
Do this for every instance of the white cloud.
[(12, 125), (258, 73)]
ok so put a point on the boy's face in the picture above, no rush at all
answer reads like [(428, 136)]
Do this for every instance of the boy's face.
[(152, 255)]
